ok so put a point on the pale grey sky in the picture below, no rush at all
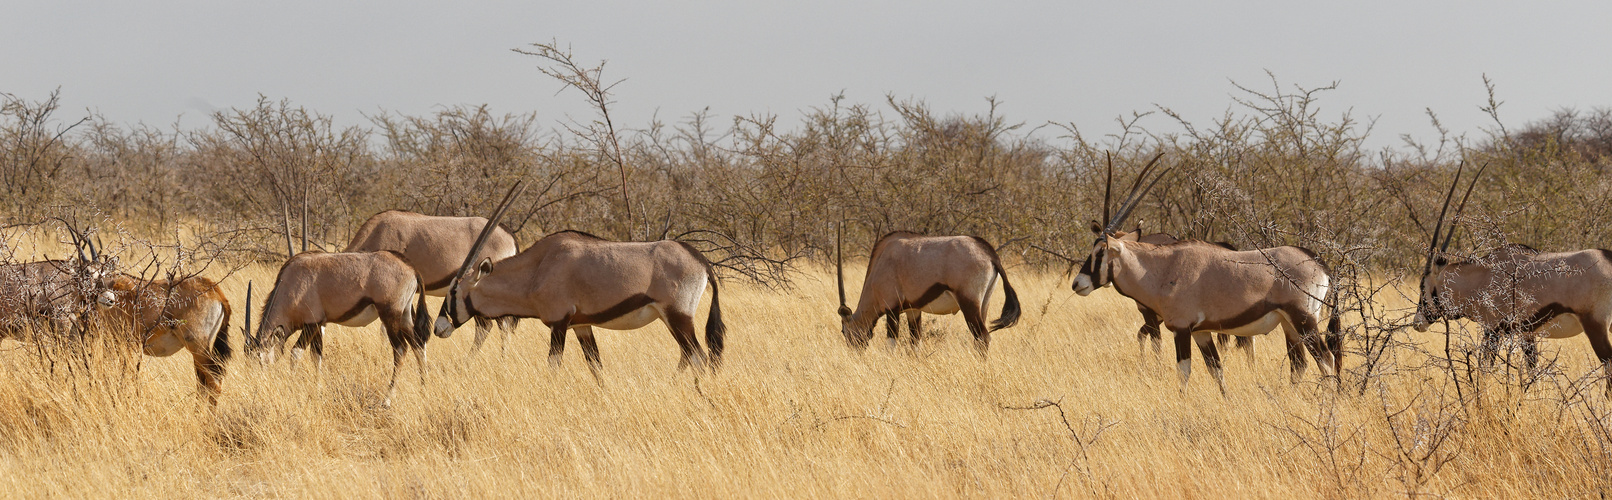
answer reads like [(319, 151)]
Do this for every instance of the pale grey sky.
[(1080, 62)]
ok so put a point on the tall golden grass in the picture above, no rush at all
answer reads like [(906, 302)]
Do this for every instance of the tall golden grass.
[(793, 413)]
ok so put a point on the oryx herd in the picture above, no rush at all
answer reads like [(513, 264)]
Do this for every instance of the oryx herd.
[(572, 281)]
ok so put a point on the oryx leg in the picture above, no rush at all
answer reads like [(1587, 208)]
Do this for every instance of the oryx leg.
[(506, 327), (590, 350), (483, 325), (1211, 358), (1601, 343), (1150, 329), (557, 340), (1530, 352), (915, 327), (1296, 361), (682, 326), (1489, 347), (1183, 354), (1247, 345), (208, 373), (891, 328), (972, 315), (1309, 330), (399, 348)]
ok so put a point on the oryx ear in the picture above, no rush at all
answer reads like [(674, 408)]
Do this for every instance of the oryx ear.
[(1440, 261), (483, 269), (1096, 228)]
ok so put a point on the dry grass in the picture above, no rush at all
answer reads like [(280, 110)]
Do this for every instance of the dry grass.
[(794, 413)]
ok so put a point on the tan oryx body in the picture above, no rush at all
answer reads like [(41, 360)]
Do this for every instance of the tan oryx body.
[(914, 274), (1517, 290), (436, 247), (351, 289), (1151, 328), (1197, 289), (167, 316), (575, 281)]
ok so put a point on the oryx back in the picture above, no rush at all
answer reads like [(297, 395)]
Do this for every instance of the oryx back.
[(435, 246)]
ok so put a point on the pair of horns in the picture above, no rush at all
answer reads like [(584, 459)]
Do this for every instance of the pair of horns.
[(81, 241), (1132, 198), (1434, 247), (492, 224)]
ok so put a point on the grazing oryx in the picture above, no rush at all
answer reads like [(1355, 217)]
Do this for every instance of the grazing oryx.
[(571, 280), (351, 289), (1150, 320), (915, 274), (54, 293), (169, 315), (436, 246), (1197, 289), (1516, 290)]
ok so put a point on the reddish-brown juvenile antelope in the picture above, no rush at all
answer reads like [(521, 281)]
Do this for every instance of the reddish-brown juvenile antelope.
[(1198, 289), (914, 274), (167, 315), (351, 289), (436, 246), (1516, 290), (575, 281)]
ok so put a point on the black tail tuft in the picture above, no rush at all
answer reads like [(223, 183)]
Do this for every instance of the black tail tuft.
[(221, 348), (714, 329), (1010, 306), (1335, 339)]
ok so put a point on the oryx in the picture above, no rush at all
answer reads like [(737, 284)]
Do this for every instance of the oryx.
[(169, 315), (1150, 320), (351, 289), (1197, 289), (572, 280), (914, 274), (1516, 290), (55, 293), (436, 246)]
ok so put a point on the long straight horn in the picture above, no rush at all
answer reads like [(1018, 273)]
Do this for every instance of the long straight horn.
[(839, 262), (1108, 186), (1456, 221), (78, 243), (1138, 191), (1439, 227), (492, 224), (247, 328)]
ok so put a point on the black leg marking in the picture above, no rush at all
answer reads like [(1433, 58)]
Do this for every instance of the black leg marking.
[(1183, 355), (557, 340), (915, 327), (976, 324), (590, 350), (682, 327), (1211, 359)]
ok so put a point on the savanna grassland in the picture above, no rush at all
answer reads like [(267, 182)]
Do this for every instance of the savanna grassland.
[(794, 412), (1066, 404)]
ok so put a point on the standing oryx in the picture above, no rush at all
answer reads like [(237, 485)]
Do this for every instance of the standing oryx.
[(914, 274), (574, 281), (54, 293), (1150, 320), (1516, 290), (436, 246), (169, 315), (1197, 289), (352, 289)]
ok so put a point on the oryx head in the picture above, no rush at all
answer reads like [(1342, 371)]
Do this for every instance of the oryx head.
[(1095, 271), (1434, 303), (458, 308), (266, 343), (93, 273)]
